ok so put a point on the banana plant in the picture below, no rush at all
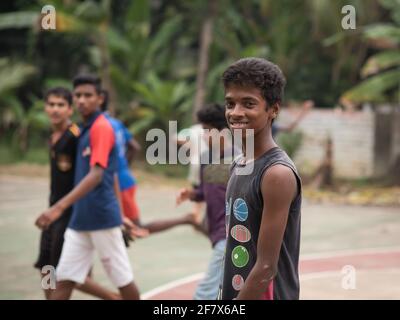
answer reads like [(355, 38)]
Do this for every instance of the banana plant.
[(161, 101), (12, 114), (381, 72)]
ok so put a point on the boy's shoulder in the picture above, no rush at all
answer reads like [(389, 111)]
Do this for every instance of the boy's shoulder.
[(103, 122), (74, 130)]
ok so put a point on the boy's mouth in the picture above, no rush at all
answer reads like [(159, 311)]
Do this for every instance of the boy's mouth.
[(238, 124)]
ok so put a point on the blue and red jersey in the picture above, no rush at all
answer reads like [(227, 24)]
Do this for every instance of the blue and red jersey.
[(122, 135), (99, 208)]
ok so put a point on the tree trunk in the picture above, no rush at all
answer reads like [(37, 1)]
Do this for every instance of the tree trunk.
[(23, 139), (323, 176), (105, 72), (394, 173), (202, 67)]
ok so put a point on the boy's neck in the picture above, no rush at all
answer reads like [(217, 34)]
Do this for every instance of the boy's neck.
[(58, 131), (263, 142), (59, 128), (86, 119)]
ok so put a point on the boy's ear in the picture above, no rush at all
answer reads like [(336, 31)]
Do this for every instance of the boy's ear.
[(101, 98), (274, 110), (70, 110)]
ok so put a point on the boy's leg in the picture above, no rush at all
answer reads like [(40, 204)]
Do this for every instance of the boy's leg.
[(75, 263), (47, 292), (51, 244), (93, 288), (110, 246), (90, 286), (63, 290), (44, 257), (208, 287), (130, 292)]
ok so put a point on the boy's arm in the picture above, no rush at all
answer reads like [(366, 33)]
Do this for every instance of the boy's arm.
[(88, 183), (134, 230), (117, 192), (194, 194), (166, 224), (101, 140), (278, 188)]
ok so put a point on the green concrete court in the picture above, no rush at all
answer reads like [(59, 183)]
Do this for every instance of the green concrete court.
[(182, 252)]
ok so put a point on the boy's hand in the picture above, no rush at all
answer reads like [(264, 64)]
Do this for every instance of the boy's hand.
[(184, 194), (193, 219), (127, 222), (308, 105), (133, 230), (138, 232), (48, 217), (197, 222)]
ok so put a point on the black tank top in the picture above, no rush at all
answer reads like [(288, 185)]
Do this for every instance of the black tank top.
[(244, 206)]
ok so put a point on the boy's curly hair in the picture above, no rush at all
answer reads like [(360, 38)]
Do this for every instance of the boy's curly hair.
[(258, 73), (213, 114)]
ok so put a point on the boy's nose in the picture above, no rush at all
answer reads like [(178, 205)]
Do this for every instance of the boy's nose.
[(236, 112), (81, 100)]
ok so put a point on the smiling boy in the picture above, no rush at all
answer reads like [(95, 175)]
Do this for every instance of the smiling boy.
[(263, 207)]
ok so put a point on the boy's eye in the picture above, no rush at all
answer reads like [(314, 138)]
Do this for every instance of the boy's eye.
[(229, 105), (249, 104)]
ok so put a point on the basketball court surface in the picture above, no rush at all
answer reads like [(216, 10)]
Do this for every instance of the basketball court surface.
[(347, 252)]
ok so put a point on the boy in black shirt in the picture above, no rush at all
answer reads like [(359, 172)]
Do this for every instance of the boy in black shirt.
[(263, 197)]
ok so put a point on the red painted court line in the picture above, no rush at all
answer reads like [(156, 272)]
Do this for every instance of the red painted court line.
[(182, 292), (377, 260)]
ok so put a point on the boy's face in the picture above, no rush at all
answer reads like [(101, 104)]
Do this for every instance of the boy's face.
[(246, 108), (87, 100), (58, 110)]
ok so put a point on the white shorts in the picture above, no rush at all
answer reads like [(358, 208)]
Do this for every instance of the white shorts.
[(78, 250)]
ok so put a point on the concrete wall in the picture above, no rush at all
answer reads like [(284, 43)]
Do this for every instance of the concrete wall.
[(353, 137)]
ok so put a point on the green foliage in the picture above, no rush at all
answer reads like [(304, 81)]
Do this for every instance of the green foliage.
[(162, 101), (382, 70), (147, 54), (290, 142), (16, 20), (13, 74)]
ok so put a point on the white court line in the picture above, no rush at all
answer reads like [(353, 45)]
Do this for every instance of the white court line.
[(172, 284), (357, 252), (338, 273), (306, 257)]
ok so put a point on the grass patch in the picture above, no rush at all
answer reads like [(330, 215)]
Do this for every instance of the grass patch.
[(37, 155)]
